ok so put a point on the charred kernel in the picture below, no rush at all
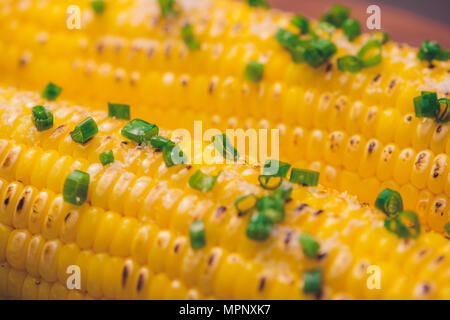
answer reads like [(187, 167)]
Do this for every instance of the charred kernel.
[(20, 204), (125, 273)]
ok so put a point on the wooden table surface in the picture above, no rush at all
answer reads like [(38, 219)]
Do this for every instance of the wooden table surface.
[(403, 25)]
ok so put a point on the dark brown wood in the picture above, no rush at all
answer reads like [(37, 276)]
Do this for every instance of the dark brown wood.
[(401, 24)]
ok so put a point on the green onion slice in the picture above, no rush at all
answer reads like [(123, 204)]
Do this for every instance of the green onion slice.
[(270, 182), (352, 28), (254, 71), (245, 204), (258, 3), (404, 229), (106, 157), (304, 177), (168, 8), (42, 118), (159, 142), (276, 168), (259, 227), (197, 234), (389, 201), (426, 105), (350, 63), (336, 15), (188, 36), (447, 228), (367, 47), (224, 146), (431, 50), (98, 6), (272, 206), (310, 245), (139, 130), (284, 191), (119, 111), (173, 155), (51, 91), (312, 281), (76, 187), (301, 22), (319, 51), (84, 131), (327, 27), (202, 181)]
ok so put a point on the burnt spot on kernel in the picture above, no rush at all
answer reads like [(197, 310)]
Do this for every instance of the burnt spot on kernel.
[(408, 118), (20, 204), (376, 78), (329, 67), (176, 248), (262, 284), (392, 84), (220, 210), (288, 237), (211, 259), (125, 273), (67, 217), (371, 147), (439, 129), (318, 212), (140, 283), (301, 207)]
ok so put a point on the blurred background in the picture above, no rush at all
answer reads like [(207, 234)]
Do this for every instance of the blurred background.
[(410, 21)]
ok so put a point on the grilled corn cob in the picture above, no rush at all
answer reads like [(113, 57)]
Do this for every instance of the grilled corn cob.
[(355, 157), (130, 237)]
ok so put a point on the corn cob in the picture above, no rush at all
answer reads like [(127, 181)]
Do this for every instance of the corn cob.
[(142, 223), (410, 157)]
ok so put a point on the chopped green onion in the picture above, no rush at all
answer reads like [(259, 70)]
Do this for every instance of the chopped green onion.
[(139, 130), (390, 202), (84, 131), (284, 191), (272, 206), (431, 50), (312, 281), (167, 8), (245, 204), (352, 28), (159, 142), (292, 43), (106, 157), (254, 71), (202, 181), (42, 118), (197, 234), (270, 182), (51, 91), (310, 245), (426, 105), (319, 51), (368, 46), (350, 63), (276, 168), (400, 228), (447, 228), (327, 27), (119, 111), (188, 37), (226, 149), (258, 3), (173, 155), (76, 187), (259, 227), (304, 177), (98, 6), (337, 15), (301, 22)]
